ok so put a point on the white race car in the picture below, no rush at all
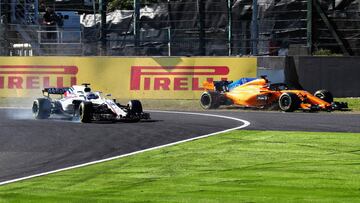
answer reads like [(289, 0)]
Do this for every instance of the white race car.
[(80, 102)]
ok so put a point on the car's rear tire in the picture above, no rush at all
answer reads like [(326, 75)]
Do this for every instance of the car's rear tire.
[(86, 112), (210, 100), (41, 108), (324, 95), (289, 102)]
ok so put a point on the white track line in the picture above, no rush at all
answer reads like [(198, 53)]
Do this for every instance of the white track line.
[(13, 107), (245, 124)]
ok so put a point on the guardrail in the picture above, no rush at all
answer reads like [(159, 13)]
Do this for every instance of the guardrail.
[(59, 37)]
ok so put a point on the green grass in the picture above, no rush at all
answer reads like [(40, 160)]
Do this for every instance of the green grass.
[(240, 166), (354, 103)]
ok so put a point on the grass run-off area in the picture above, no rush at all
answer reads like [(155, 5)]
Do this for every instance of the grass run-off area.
[(239, 166)]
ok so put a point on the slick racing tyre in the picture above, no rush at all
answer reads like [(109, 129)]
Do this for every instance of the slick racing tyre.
[(210, 100), (86, 112), (324, 95), (135, 109), (289, 102), (41, 108), (135, 106)]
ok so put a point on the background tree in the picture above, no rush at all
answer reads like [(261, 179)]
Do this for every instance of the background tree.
[(127, 4), (120, 5)]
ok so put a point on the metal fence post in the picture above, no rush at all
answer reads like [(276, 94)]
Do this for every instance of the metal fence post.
[(254, 28), (229, 27), (137, 25), (36, 10), (309, 20), (13, 4), (200, 10), (103, 8), (169, 27)]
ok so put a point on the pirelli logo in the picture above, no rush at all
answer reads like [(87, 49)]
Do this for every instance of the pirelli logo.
[(36, 76), (174, 77)]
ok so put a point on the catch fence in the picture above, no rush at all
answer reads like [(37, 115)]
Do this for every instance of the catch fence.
[(186, 28)]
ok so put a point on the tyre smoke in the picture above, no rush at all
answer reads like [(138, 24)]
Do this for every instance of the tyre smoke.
[(17, 108)]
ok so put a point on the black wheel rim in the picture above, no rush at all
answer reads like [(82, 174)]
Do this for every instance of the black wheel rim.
[(35, 108), (285, 101), (205, 100), (81, 113), (321, 96)]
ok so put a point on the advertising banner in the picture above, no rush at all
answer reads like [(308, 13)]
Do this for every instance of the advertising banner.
[(152, 77)]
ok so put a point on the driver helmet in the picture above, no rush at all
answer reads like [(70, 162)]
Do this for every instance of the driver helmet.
[(91, 95)]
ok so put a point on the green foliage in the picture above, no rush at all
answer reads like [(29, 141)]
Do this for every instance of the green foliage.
[(120, 5), (322, 52), (325, 52), (240, 166), (127, 4)]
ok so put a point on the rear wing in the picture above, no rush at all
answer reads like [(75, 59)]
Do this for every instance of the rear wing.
[(227, 85), (53, 90), (220, 86)]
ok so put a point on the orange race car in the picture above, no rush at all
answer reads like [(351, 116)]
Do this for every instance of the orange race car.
[(260, 93)]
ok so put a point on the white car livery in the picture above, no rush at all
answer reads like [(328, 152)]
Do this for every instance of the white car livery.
[(80, 102)]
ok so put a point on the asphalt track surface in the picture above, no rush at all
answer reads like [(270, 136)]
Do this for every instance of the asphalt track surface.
[(29, 146)]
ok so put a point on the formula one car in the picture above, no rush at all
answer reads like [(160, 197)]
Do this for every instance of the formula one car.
[(260, 93), (80, 102)]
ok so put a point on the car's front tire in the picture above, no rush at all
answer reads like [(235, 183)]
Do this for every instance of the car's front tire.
[(135, 106), (135, 109), (41, 108), (324, 95), (86, 112)]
